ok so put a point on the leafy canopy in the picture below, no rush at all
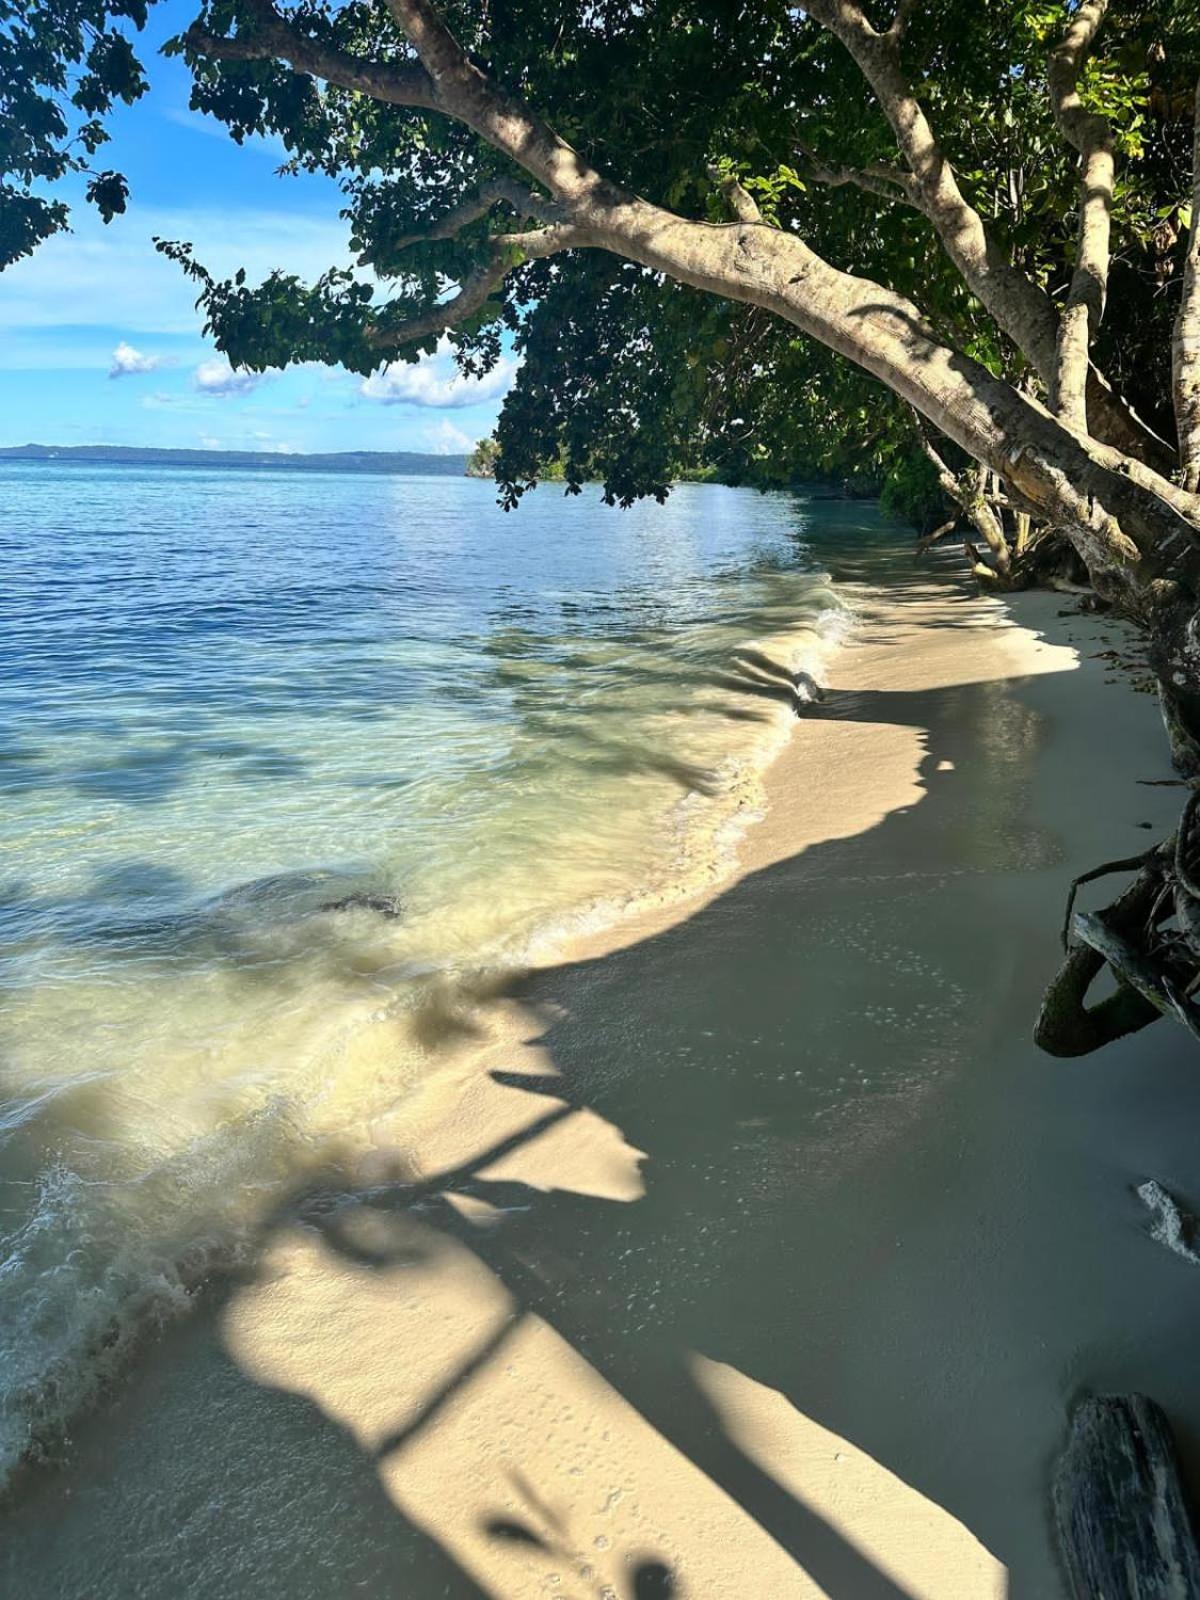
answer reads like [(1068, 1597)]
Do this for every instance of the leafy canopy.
[(627, 377), (62, 68)]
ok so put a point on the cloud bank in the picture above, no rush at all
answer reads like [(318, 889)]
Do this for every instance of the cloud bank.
[(436, 382), (216, 376)]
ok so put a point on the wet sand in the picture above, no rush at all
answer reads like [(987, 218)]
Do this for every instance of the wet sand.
[(754, 1250)]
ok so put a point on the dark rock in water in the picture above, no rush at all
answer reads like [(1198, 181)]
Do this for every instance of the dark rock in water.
[(230, 924), (808, 692), (387, 905), (277, 886), (305, 893)]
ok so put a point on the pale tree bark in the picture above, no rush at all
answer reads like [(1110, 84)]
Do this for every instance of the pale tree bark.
[(1091, 136), (1185, 344), (1018, 305)]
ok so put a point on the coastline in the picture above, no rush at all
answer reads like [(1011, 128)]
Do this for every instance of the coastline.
[(754, 1244)]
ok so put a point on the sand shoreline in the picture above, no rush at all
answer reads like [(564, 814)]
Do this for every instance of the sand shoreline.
[(759, 1252)]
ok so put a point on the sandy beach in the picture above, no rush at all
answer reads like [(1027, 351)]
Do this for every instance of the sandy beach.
[(752, 1248)]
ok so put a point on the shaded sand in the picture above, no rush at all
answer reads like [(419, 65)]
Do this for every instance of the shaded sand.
[(754, 1251)]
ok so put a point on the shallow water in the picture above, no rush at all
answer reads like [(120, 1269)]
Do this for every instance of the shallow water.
[(292, 766)]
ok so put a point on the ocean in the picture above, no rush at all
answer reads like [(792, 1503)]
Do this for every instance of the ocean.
[(297, 771)]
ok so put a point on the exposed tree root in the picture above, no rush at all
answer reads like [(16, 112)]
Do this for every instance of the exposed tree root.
[(1148, 938)]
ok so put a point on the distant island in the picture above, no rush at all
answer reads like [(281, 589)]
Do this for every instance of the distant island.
[(407, 462)]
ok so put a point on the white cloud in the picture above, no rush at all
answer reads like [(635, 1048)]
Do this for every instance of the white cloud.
[(216, 376), (128, 362), (436, 382), (447, 440)]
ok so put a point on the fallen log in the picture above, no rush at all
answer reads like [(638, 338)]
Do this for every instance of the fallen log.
[(1124, 1521)]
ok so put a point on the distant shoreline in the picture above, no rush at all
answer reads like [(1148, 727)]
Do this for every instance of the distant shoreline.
[(380, 463), (398, 462)]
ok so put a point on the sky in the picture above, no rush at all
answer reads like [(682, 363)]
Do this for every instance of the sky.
[(100, 342)]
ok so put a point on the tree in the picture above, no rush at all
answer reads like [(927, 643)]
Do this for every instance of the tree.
[(643, 191), (464, 148), (481, 463), (62, 67)]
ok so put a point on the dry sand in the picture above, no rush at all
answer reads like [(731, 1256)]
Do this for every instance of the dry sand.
[(755, 1251)]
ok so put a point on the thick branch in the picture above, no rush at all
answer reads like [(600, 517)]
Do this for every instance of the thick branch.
[(1092, 137), (401, 83), (1080, 126), (1185, 342), (1018, 305), (506, 123)]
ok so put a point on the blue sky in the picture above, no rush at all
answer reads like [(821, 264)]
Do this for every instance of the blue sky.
[(100, 342)]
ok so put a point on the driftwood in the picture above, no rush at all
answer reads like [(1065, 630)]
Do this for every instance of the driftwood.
[(1124, 1522)]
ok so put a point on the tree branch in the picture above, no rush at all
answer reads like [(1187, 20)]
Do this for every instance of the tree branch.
[(1185, 339), (400, 83), (928, 540), (1092, 137), (899, 25), (971, 498), (888, 183), (505, 122), (522, 200), (1020, 307), (475, 290), (741, 202)]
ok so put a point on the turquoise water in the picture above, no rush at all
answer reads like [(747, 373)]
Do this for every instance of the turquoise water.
[(292, 767)]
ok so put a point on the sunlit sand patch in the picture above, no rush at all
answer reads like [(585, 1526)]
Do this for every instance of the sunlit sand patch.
[(490, 1432), (918, 1544)]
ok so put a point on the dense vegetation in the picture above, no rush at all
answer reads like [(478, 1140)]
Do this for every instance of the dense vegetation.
[(950, 247)]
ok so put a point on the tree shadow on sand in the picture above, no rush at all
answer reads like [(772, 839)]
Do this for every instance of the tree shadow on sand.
[(852, 1197)]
